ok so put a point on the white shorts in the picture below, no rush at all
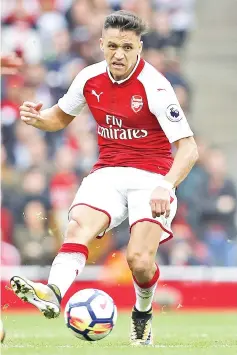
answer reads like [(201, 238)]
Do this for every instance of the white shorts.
[(122, 192)]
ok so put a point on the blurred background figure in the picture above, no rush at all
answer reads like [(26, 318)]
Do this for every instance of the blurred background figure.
[(33, 238), (10, 64), (63, 184), (217, 206), (180, 16), (50, 41)]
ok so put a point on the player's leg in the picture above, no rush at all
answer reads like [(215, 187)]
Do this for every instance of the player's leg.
[(146, 234), (85, 224), (141, 253), (98, 206)]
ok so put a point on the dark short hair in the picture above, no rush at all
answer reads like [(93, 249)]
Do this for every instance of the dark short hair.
[(125, 21)]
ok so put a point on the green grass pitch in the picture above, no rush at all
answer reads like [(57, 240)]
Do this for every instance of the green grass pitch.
[(175, 333)]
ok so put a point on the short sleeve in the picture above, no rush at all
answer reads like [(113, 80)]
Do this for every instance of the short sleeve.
[(73, 101), (165, 106)]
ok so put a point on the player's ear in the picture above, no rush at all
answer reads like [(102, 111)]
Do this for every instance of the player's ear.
[(140, 47), (102, 44)]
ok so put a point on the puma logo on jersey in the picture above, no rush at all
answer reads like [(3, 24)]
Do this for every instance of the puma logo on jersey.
[(97, 95)]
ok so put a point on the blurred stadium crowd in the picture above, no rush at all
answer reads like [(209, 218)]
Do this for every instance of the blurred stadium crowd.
[(42, 171)]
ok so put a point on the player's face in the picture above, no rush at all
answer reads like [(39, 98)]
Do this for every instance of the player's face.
[(121, 49)]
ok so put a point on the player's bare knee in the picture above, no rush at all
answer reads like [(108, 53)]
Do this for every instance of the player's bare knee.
[(86, 223), (78, 233), (139, 263)]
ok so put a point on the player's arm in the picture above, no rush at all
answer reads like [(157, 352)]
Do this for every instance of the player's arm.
[(174, 124), (176, 128), (172, 120), (58, 116), (185, 158), (51, 120)]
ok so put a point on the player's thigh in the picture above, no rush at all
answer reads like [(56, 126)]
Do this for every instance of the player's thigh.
[(139, 211), (98, 206)]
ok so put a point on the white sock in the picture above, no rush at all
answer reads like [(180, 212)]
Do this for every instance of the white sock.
[(65, 268), (144, 297), (145, 292)]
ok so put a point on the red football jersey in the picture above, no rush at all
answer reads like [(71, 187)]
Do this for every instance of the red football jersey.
[(137, 118)]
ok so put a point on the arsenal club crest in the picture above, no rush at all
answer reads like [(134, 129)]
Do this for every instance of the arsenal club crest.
[(136, 103)]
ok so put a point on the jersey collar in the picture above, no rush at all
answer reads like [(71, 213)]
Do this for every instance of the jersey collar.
[(126, 79)]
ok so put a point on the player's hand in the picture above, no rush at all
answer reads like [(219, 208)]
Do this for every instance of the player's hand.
[(30, 112), (160, 202)]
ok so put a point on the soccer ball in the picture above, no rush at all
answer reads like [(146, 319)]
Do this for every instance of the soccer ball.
[(2, 331), (90, 314)]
